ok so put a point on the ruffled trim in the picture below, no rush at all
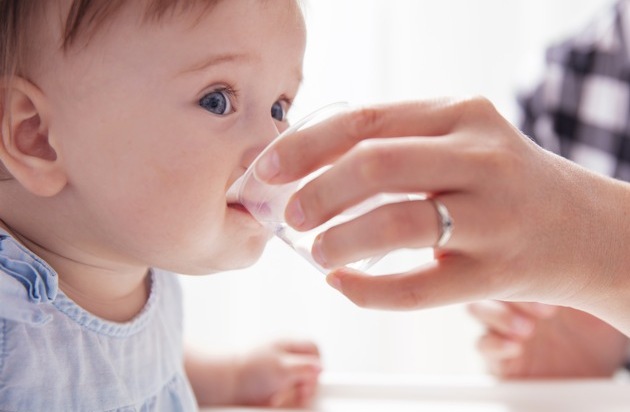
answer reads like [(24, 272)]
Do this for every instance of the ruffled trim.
[(27, 282), (28, 285), (37, 277)]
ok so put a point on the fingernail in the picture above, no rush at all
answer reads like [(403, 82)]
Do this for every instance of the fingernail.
[(334, 281), (294, 213), (317, 252), (268, 166)]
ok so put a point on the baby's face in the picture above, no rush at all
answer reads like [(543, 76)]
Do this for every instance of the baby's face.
[(156, 120)]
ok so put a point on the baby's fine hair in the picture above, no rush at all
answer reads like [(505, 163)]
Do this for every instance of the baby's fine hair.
[(20, 18)]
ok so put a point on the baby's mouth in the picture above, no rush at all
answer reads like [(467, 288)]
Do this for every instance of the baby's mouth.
[(254, 203), (234, 203), (233, 196), (238, 207)]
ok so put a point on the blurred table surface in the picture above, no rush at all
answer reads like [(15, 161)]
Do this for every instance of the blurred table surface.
[(476, 394)]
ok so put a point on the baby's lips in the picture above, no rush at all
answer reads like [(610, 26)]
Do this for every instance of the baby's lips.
[(233, 195)]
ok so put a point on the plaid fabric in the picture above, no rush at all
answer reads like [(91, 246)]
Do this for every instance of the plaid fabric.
[(580, 109)]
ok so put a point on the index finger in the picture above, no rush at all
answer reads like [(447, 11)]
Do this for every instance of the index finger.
[(454, 279), (300, 153)]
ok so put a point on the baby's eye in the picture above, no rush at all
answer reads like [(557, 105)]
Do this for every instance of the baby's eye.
[(217, 102), (278, 111)]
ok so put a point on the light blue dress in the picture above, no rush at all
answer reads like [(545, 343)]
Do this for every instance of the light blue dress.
[(56, 357)]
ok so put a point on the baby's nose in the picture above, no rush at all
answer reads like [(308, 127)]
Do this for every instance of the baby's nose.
[(262, 140), (270, 133)]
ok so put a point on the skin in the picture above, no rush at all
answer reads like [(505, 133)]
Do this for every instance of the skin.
[(529, 225), (275, 375), (117, 168), (532, 340)]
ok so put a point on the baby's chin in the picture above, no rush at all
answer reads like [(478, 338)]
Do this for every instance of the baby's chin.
[(238, 257), (250, 256)]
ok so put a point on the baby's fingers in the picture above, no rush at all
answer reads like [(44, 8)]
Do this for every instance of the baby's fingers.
[(300, 383), (298, 347), (297, 396), (301, 368), (284, 398)]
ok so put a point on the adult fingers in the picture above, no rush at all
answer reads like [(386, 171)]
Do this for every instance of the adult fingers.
[(503, 318), (495, 347), (411, 224), (408, 224), (402, 165), (535, 309), (311, 148), (451, 279)]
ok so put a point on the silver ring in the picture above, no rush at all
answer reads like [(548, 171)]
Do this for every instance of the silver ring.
[(445, 222)]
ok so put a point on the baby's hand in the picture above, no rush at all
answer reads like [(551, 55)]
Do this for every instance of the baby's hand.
[(282, 374)]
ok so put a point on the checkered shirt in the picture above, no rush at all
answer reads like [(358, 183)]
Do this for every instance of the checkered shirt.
[(580, 109)]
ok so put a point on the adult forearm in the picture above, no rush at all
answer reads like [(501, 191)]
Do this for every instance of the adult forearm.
[(607, 253)]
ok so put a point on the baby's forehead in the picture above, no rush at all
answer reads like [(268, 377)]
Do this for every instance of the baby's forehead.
[(86, 17), (175, 36)]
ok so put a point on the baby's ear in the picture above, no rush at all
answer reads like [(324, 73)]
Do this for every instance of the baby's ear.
[(26, 148)]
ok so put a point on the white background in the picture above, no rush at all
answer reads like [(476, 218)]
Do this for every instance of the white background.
[(373, 51)]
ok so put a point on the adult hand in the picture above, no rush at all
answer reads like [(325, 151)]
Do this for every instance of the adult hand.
[(529, 225), (531, 340)]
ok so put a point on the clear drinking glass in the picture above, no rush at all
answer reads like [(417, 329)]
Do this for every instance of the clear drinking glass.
[(267, 202)]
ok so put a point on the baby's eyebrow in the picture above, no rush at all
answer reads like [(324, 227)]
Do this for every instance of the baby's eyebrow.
[(217, 59)]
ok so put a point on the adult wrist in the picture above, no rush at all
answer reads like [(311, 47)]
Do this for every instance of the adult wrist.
[(607, 291)]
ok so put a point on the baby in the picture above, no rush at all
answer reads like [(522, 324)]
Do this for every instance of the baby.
[(123, 125)]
